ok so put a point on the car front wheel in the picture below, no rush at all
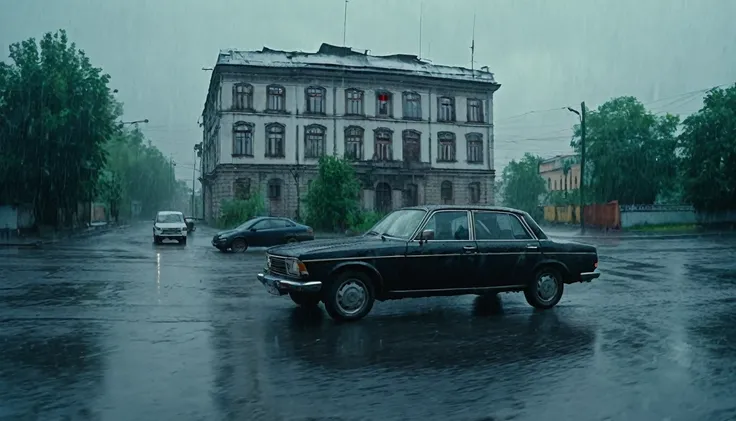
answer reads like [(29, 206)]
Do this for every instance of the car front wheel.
[(349, 297), (304, 299), (546, 289), (183, 240), (156, 239), (239, 245)]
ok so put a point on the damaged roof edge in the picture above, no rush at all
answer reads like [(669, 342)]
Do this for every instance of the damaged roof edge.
[(330, 56)]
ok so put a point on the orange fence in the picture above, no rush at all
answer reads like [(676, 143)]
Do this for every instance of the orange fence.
[(603, 216)]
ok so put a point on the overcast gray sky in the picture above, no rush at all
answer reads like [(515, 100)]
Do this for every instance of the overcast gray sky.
[(546, 54)]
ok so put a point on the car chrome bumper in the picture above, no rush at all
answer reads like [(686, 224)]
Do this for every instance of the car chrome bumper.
[(589, 276), (277, 285), (168, 234)]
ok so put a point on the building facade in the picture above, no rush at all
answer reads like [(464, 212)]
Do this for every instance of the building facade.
[(561, 172), (416, 132)]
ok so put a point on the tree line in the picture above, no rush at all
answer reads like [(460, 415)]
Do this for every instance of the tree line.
[(636, 156), (61, 142)]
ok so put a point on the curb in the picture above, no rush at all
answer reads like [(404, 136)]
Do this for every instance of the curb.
[(82, 234)]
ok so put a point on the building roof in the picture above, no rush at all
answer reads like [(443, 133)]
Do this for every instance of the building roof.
[(556, 157), (334, 57)]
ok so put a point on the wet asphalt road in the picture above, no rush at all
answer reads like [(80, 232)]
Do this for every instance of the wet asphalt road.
[(115, 328)]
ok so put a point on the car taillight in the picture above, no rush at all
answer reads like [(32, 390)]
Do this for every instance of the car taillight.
[(309, 231)]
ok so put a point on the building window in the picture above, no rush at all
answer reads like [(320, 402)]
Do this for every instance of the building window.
[(384, 104), (242, 96), (412, 105), (314, 141), (474, 192), (411, 145), (275, 140), (315, 96), (241, 189), (354, 143), (475, 148), (445, 108), (242, 139), (382, 144), (446, 193), (475, 110), (555, 185), (274, 189), (445, 147), (275, 98), (353, 102), (549, 183), (576, 182)]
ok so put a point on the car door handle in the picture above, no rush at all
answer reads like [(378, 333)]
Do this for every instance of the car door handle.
[(470, 248), (532, 247)]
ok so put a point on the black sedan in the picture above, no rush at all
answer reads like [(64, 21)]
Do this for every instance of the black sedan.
[(430, 251), (262, 232)]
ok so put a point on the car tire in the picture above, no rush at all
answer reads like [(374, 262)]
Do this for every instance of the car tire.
[(156, 239), (349, 297), (292, 240), (546, 289), (239, 245), (183, 241), (303, 299)]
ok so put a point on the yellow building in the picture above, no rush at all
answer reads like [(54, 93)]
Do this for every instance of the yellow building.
[(561, 172)]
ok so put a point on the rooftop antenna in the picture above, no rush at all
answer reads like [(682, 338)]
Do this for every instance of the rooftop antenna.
[(345, 23), (421, 6), (472, 50)]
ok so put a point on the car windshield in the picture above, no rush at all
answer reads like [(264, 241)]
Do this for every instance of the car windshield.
[(399, 224), (168, 218)]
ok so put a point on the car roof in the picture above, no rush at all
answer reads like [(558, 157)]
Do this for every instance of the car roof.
[(169, 212), (430, 208)]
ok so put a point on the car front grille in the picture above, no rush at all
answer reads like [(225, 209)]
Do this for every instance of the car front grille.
[(170, 231), (277, 265)]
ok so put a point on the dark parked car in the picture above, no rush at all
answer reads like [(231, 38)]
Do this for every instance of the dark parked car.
[(262, 232), (430, 251)]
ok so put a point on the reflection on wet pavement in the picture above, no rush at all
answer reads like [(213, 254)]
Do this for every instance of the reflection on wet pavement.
[(116, 328)]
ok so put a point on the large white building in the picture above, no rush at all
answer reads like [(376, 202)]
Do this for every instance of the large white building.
[(418, 133)]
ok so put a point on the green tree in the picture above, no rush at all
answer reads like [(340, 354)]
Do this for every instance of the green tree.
[(56, 113), (708, 143), (522, 184), (630, 152), (333, 200)]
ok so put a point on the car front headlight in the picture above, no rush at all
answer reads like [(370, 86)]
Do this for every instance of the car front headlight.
[(156, 228), (296, 267)]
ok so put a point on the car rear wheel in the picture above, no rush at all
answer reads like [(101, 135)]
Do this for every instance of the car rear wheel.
[(304, 299), (546, 289), (349, 297), (292, 240), (239, 245)]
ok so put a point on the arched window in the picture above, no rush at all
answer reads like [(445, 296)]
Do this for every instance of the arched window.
[(475, 148), (383, 138), (474, 192), (315, 96), (274, 188), (275, 140), (242, 96), (354, 143), (411, 195), (445, 147), (314, 141), (446, 195), (384, 104), (275, 98), (383, 197), (411, 145), (242, 139)]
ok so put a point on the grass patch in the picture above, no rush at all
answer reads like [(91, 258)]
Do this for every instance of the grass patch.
[(665, 228)]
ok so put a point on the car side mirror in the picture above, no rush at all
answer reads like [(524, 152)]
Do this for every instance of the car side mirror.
[(253, 230), (427, 235)]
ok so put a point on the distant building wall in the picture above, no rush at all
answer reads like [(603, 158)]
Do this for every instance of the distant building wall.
[(635, 215)]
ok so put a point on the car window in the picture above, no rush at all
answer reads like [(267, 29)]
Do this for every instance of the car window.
[(166, 218), (279, 223), (399, 224), (264, 224), (499, 226), (449, 226)]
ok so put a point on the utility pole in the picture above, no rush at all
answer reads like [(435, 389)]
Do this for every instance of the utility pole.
[(194, 165), (582, 167)]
